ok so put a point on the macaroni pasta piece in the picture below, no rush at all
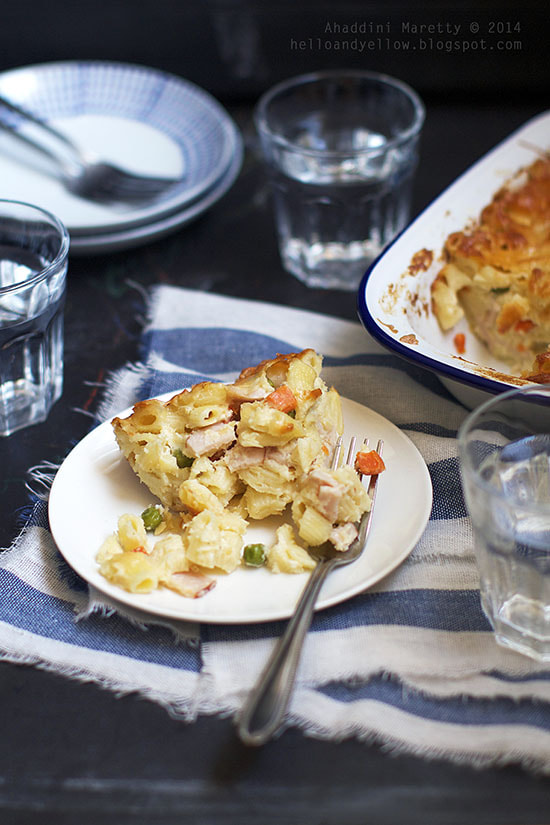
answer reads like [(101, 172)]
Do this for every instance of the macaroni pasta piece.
[(286, 555), (214, 540)]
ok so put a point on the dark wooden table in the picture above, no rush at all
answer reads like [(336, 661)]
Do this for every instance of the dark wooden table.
[(73, 753)]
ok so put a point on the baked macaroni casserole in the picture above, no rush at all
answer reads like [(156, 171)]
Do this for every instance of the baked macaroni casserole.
[(218, 455), (497, 275)]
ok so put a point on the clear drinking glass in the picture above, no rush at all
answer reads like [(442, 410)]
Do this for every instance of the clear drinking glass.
[(504, 449), (33, 266), (341, 149)]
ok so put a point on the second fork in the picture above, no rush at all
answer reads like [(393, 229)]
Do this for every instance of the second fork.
[(85, 176), (263, 712)]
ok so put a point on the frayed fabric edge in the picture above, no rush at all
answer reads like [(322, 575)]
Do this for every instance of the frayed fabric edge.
[(23, 530), (188, 710), (189, 635), (151, 306), (181, 709), (396, 746), (120, 390), (390, 743), (41, 478)]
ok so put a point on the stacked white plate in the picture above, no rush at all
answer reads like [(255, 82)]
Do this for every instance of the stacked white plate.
[(143, 119)]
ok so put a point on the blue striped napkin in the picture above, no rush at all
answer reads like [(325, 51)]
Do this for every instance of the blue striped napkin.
[(411, 664)]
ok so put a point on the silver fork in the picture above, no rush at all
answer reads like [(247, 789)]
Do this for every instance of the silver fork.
[(263, 712), (82, 173)]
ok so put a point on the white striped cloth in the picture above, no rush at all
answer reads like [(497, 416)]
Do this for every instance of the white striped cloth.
[(412, 663)]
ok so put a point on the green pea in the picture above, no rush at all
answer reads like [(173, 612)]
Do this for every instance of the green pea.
[(182, 460), (151, 518), (254, 555)]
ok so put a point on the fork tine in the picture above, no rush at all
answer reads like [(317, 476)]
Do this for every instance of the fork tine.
[(374, 479), (352, 453), (136, 194), (351, 450), (131, 180), (133, 187), (336, 454), (371, 490), (105, 182)]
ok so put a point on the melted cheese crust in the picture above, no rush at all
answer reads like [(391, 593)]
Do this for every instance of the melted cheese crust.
[(497, 274)]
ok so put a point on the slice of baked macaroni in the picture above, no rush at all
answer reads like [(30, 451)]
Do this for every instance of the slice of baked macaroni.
[(497, 275), (218, 455)]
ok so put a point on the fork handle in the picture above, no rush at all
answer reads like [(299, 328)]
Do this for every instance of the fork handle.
[(64, 156), (264, 710)]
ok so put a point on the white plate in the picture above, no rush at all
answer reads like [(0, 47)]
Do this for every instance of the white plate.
[(129, 238), (394, 302), (141, 118), (95, 485)]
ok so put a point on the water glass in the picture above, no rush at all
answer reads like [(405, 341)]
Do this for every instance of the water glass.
[(34, 246), (341, 149), (504, 449)]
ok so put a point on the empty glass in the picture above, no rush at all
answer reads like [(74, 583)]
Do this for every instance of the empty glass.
[(341, 149), (504, 449), (34, 246)]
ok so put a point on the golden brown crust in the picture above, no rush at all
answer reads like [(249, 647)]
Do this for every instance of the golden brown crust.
[(167, 443), (421, 261), (497, 273), (515, 227), (274, 365)]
